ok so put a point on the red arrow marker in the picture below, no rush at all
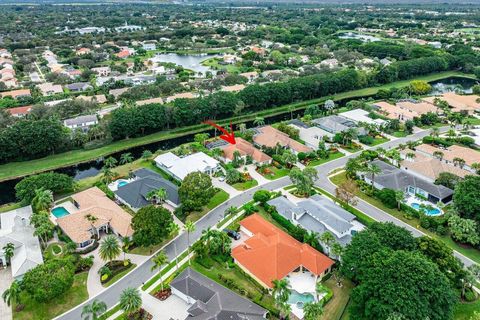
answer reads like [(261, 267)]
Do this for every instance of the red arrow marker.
[(227, 136)]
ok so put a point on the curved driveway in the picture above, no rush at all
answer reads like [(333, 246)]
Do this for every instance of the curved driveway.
[(142, 273)]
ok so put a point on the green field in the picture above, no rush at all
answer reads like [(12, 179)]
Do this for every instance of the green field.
[(19, 169)]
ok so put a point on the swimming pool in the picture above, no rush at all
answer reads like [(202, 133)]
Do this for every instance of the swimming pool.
[(121, 183), (431, 212), (299, 299), (59, 212)]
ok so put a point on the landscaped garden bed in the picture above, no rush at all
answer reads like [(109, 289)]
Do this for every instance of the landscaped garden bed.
[(163, 294), (113, 270)]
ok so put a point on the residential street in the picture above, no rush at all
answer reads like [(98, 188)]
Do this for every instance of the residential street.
[(142, 273)]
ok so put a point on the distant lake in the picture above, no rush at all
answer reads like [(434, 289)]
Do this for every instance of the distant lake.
[(358, 36), (453, 84), (187, 61)]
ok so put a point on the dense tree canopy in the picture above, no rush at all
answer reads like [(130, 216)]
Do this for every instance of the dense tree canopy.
[(466, 198), (49, 280), (150, 225), (195, 191), (55, 182)]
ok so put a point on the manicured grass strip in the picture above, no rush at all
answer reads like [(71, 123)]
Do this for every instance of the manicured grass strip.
[(334, 309), (277, 173), (9, 207), (471, 253), (318, 162), (169, 267), (465, 310), (218, 198), (378, 141), (109, 313), (119, 275), (18, 169), (241, 186), (49, 310)]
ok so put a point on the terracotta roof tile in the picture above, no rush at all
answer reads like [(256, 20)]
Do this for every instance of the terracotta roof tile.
[(270, 137)]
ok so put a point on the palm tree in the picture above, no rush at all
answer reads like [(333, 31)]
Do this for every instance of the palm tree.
[(161, 195), (93, 310), (438, 155), (126, 158), (12, 294), (336, 250), (8, 251), (329, 105), (373, 169), (92, 219), (44, 231), (158, 261), (174, 229), (459, 161), (311, 238), (126, 244), (70, 247), (435, 132), (259, 121), (130, 300), (230, 211), (146, 154), (327, 238), (43, 200), (312, 310), (189, 227), (289, 158), (242, 127), (108, 175), (399, 197), (109, 248), (110, 162), (280, 291), (476, 166)]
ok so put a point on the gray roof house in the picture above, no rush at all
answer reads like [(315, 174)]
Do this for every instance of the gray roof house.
[(15, 228), (79, 86), (209, 300), (319, 214), (336, 124), (82, 122), (394, 178), (134, 194)]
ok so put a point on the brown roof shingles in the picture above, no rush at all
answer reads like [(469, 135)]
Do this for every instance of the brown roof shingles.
[(245, 148), (94, 202), (270, 137)]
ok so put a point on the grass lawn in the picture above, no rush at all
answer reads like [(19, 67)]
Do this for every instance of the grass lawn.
[(218, 198), (215, 64), (119, 275), (351, 149), (334, 309), (43, 311), (318, 162), (277, 173), (400, 134), (246, 286), (54, 250), (18, 169), (378, 141), (466, 251), (464, 311), (9, 207), (245, 185), (146, 251)]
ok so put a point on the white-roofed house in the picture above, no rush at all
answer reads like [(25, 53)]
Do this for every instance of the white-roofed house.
[(179, 168), (15, 228)]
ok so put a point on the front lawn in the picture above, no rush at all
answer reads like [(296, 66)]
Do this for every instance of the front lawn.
[(147, 251), (44, 311), (400, 134), (334, 309), (414, 222), (275, 173), (218, 198), (465, 310), (54, 250), (319, 161), (378, 141), (241, 186)]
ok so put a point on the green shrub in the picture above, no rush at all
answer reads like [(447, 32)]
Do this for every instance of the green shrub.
[(368, 140), (470, 295), (387, 197)]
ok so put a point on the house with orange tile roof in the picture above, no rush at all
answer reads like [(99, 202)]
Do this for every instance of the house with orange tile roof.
[(269, 254), (428, 167), (82, 51), (451, 154), (89, 214), (19, 111), (16, 93), (404, 110), (245, 149), (458, 103), (268, 136)]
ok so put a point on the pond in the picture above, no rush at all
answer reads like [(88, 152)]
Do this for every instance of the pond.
[(358, 36), (187, 61), (457, 84)]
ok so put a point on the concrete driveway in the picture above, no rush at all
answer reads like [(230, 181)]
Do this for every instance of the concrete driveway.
[(5, 281)]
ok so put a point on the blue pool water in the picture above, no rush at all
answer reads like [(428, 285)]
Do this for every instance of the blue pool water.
[(60, 212), (432, 212), (299, 299), (121, 183)]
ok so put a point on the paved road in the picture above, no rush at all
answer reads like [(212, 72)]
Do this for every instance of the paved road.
[(142, 273)]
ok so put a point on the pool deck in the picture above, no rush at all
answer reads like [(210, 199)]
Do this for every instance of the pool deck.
[(412, 200)]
